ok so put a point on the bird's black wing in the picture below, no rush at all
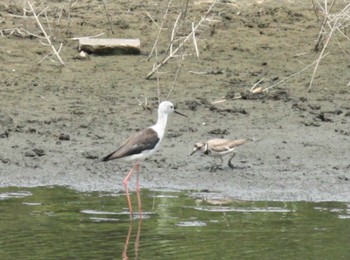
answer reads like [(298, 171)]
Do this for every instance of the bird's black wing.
[(145, 139)]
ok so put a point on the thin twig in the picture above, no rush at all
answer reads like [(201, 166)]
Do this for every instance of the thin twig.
[(172, 38), (256, 84), (184, 12), (181, 44), (158, 83), (45, 34), (172, 86), (150, 17), (331, 24), (319, 59), (69, 16), (159, 31), (46, 17), (291, 76), (195, 41), (107, 14), (84, 37)]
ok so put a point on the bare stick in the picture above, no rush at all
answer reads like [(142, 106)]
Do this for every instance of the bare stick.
[(335, 22), (256, 84), (158, 84), (184, 12), (181, 44), (172, 40), (160, 30), (69, 16), (45, 34), (150, 17), (94, 36), (107, 14), (172, 87), (45, 14), (319, 59), (195, 41), (59, 17), (291, 76)]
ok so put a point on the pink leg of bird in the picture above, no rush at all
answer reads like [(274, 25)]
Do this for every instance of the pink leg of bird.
[(138, 188), (125, 183)]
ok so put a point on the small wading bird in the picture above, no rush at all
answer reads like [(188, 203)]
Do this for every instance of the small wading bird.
[(142, 145), (219, 148)]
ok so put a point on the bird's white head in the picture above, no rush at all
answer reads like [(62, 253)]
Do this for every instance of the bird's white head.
[(166, 107)]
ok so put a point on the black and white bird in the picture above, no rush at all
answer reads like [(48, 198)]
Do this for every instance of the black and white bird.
[(218, 148), (142, 145)]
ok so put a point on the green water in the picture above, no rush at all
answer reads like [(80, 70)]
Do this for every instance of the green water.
[(59, 223)]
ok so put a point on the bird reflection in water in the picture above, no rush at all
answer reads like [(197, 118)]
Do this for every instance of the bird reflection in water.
[(137, 239)]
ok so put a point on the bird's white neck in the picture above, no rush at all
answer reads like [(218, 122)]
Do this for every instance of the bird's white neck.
[(161, 124)]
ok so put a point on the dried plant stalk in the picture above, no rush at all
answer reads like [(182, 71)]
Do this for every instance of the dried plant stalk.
[(179, 47), (54, 51)]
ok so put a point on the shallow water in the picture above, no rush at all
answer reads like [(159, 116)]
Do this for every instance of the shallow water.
[(55, 222)]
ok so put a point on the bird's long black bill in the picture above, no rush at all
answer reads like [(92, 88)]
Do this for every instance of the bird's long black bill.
[(180, 113)]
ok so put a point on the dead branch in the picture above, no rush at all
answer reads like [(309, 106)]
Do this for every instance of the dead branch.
[(108, 16), (160, 30), (171, 54), (54, 51), (293, 75), (332, 23)]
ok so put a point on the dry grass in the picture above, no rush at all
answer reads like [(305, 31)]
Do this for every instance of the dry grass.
[(177, 42), (331, 23)]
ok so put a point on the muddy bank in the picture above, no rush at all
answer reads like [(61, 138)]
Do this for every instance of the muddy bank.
[(56, 121)]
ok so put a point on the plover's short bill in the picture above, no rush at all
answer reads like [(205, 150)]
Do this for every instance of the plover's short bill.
[(142, 145), (218, 148)]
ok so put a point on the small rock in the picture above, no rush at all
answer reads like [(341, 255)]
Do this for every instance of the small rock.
[(83, 54), (64, 137), (39, 152), (90, 155), (4, 135), (218, 131), (29, 154)]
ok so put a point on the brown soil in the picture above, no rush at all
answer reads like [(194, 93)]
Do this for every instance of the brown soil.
[(56, 121)]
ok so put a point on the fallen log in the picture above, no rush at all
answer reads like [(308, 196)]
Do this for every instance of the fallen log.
[(110, 46)]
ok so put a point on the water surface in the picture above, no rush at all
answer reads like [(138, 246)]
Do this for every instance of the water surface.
[(56, 222)]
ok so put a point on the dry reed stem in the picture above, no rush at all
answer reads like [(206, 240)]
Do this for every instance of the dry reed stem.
[(171, 55), (319, 59), (293, 75), (172, 38), (173, 85), (45, 34), (84, 37), (256, 84), (195, 41), (107, 14), (159, 31), (150, 17), (335, 23), (323, 23)]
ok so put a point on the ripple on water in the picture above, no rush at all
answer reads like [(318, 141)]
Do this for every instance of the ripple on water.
[(95, 219), (344, 216), (145, 215), (96, 212), (32, 203), (191, 224), (16, 195), (240, 209)]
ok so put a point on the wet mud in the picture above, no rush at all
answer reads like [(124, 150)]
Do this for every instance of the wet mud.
[(56, 121)]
